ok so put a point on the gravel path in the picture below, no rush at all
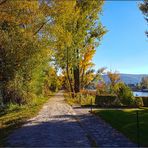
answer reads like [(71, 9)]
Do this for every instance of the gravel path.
[(101, 132), (54, 126), (60, 125)]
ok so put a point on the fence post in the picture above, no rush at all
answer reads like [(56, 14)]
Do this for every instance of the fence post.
[(91, 106), (138, 132)]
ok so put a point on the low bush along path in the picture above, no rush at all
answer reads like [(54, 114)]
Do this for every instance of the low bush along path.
[(57, 125)]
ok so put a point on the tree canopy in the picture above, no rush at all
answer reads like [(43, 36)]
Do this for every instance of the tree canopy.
[(39, 37)]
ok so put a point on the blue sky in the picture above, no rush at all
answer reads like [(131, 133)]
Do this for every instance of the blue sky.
[(125, 47)]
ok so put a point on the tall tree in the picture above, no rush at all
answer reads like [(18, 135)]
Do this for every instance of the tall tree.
[(88, 30), (24, 51), (78, 27)]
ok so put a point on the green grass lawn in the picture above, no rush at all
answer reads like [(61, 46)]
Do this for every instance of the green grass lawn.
[(125, 121), (14, 116)]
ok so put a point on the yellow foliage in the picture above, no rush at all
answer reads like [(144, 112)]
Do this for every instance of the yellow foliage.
[(86, 61)]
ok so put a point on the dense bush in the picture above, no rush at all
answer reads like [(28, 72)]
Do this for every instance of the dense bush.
[(128, 101), (124, 94), (138, 102), (113, 101), (123, 97), (144, 100), (105, 100)]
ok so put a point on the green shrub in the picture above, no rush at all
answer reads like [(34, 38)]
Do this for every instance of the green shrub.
[(138, 102), (144, 100), (105, 100), (128, 101), (124, 94)]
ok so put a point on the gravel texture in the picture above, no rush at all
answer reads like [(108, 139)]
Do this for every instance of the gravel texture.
[(54, 126), (101, 132), (60, 125)]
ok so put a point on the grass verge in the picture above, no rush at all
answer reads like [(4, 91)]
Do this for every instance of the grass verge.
[(125, 121), (14, 116)]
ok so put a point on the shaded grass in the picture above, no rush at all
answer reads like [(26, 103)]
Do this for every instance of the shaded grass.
[(14, 116), (125, 121)]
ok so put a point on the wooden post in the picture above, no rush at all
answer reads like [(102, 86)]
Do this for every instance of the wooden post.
[(138, 131), (91, 106)]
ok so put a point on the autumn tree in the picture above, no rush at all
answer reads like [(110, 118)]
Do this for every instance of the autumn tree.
[(24, 49), (34, 34), (114, 78), (78, 28), (87, 32)]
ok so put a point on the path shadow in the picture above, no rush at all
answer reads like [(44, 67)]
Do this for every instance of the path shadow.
[(61, 131), (64, 131)]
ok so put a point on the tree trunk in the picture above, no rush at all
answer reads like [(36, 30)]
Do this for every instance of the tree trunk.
[(77, 79), (3, 77), (82, 78), (76, 71), (68, 77), (69, 81)]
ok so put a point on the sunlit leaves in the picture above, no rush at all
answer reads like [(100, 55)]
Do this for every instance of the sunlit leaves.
[(24, 55)]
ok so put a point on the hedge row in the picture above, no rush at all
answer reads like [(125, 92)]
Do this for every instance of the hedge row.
[(113, 101), (145, 101)]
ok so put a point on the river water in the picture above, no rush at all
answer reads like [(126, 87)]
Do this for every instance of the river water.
[(141, 94)]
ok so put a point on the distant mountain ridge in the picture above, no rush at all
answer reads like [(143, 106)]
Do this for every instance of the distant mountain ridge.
[(128, 78)]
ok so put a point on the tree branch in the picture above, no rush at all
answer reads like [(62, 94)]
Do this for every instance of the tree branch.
[(41, 27)]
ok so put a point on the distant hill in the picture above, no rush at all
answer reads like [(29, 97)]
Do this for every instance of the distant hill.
[(128, 78)]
